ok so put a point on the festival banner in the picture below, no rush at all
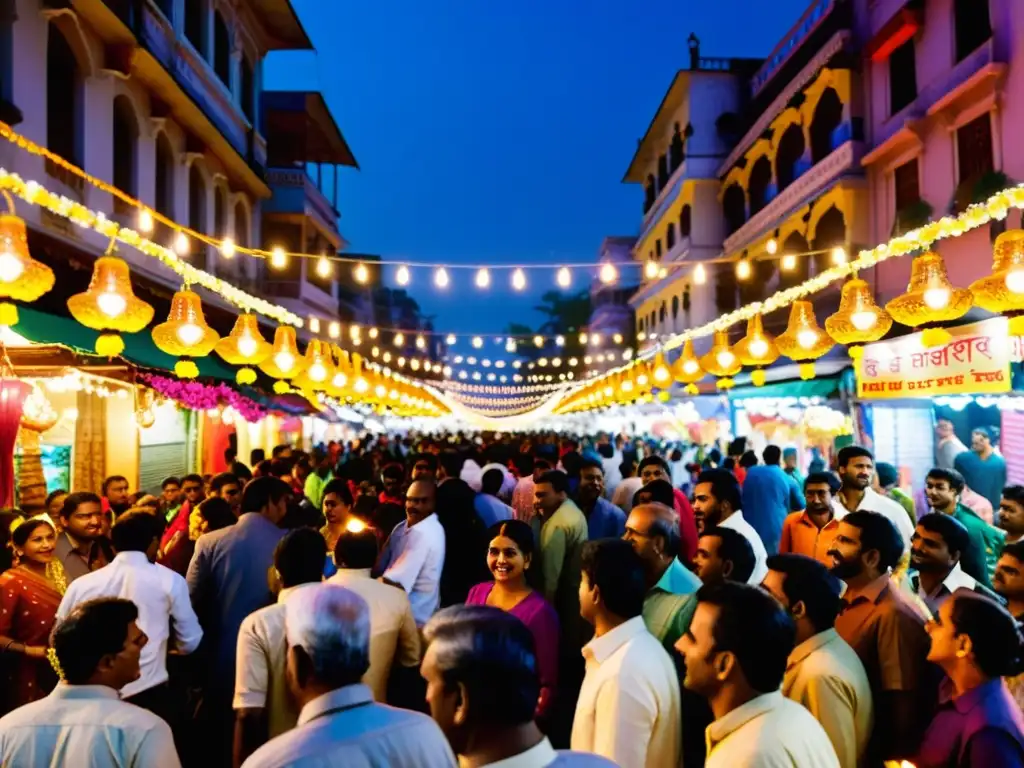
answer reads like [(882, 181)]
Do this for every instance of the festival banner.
[(976, 361)]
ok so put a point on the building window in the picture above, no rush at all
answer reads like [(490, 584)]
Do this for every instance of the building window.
[(197, 211), (760, 180), (7, 19), (63, 98), (670, 236), (164, 202), (195, 24), (907, 185), (828, 234), (974, 149), (657, 249), (248, 95), (686, 299), (828, 114), (685, 222), (791, 149), (973, 26), (241, 226), (662, 172), (125, 145), (902, 77), (676, 149), (650, 192), (734, 205), (675, 307), (220, 213), (661, 312), (221, 49)]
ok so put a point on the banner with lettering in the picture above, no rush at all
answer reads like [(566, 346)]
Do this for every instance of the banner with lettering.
[(975, 362)]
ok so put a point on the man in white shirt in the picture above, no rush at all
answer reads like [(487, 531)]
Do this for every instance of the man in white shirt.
[(482, 690), (263, 707), (856, 469), (627, 488), (393, 633), (161, 596), (716, 503), (83, 720), (414, 553), (629, 708), (736, 653)]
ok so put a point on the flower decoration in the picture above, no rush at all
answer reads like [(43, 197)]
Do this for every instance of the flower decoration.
[(244, 346), (930, 299), (109, 305), (21, 277), (859, 320), (185, 334), (1002, 292), (757, 349), (804, 341), (197, 396)]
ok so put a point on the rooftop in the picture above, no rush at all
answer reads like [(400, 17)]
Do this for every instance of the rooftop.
[(282, 26), (300, 129)]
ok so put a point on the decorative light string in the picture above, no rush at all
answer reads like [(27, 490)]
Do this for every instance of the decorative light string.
[(459, 386), (497, 401)]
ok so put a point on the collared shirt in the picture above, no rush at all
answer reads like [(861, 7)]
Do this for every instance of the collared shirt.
[(522, 499), (769, 730), (979, 559), (160, 594), (628, 709), (314, 488), (393, 632), (543, 755), (826, 676), (800, 536), (947, 450), (560, 540), (605, 521), (668, 608), (872, 501), (80, 558), (954, 580), (736, 522), (85, 725), (260, 681), (769, 494), (491, 509), (346, 729), (416, 557)]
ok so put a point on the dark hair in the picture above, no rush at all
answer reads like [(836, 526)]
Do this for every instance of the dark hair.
[(827, 478), (724, 486), (648, 461), (542, 464), (627, 467), (299, 557), (451, 462), (730, 463), (992, 433), (1013, 493), (230, 454), (588, 462), (734, 548), (427, 458), (747, 460), (224, 478), (755, 628), (491, 481), (955, 479), (216, 512), (167, 481), (193, 478), (74, 500), (878, 532), (952, 531), (660, 491), (256, 455), (340, 489), (851, 452), (93, 629), (278, 450), (887, 474), (393, 472), (772, 454), (113, 479), (53, 495), (606, 450), (809, 582), (521, 533), (356, 549), (1015, 550), (616, 569), (280, 467), (263, 491), (492, 654), (135, 531), (995, 634), (557, 479), (23, 532)]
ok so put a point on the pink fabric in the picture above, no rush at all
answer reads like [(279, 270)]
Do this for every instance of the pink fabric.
[(12, 401), (687, 527)]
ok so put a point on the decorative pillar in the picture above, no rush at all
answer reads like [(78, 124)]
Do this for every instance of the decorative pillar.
[(31, 481), (90, 466)]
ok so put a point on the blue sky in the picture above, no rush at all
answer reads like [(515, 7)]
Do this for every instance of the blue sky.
[(492, 132)]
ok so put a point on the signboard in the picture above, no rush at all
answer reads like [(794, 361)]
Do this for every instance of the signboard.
[(976, 361)]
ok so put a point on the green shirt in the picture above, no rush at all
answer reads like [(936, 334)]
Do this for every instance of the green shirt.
[(561, 538), (314, 488), (906, 502), (669, 605), (986, 545)]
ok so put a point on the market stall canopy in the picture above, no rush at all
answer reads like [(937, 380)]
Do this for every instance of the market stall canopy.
[(823, 387)]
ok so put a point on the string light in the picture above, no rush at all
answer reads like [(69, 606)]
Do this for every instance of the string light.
[(181, 244), (559, 341), (617, 338), (700, 275), (450, 339), (402, 275), (314, 325), (583, 338), (278, 258), (608, 273), (354, 331), (788, 262), (441, 278), (595, 339), (564, 277), (477, 342), (651, 269), (399, 339), (538, 341), (772, 247), (324, 268), (145, 222), (510, 345), (519, 279), (334, 329), (483, 278), (421, 343), (361, 274), (227, 248), (743, 269)]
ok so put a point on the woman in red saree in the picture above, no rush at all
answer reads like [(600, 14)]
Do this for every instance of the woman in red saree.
[(30, 593)]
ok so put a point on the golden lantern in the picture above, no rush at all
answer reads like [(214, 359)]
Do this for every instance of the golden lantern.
[(687, 370), (342, 372), (244, 346), (185, 334), (643, 378), (757, 349), (859, 320), (930, 299), (360, 381), (318, 367), (804, 341), (721, 361), (661, 373), (1002, 292), (109, 305), (284, 361), (21, 277)]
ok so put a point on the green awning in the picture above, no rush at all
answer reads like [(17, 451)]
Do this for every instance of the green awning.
[(824, 387), (43, 328)]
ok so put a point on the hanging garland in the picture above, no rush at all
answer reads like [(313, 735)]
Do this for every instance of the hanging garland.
[(202, 397)]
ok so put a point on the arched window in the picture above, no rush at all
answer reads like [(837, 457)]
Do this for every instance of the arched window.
[(220, 213), (241, 226), (125, 137), (63, 98), (676, 149), (221, 49), (973, 26), (675, 307), (685, 221), (195, 24), (670, 236), (248, 94), (651, 323), (827, 117), (795, 244), (662, 172), (197, 212), (734, 205), (760, 179), (791, 149), (640, 325), (829, 233), (686, 299), (657, 249), (164, 202), (662, 312), (725, 287), (650, 192)]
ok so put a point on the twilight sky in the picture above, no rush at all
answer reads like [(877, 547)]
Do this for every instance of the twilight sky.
[(492, 132)]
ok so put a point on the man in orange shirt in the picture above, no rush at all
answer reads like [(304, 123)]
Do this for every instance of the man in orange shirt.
[(811, 531)]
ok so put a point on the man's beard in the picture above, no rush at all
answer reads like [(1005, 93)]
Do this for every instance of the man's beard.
[(846, 569)]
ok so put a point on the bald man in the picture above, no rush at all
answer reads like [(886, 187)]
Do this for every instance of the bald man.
[(414, 553)]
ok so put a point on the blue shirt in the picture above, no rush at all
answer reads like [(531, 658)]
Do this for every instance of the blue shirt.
[(769, 494), (347, 729), (491, 510), (986, 477), (605, 521)]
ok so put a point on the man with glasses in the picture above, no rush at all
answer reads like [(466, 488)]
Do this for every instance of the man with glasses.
[(82, 547), (192, 493)]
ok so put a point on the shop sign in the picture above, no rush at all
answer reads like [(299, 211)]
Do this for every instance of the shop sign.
[(975, 361)]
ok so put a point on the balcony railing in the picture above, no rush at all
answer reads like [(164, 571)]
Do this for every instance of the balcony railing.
[(295, 192)]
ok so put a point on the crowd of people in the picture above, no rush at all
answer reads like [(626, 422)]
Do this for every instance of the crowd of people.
[(522, 601)]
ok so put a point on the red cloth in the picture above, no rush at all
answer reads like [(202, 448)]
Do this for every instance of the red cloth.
[(12, 402), (383, 498), (29, 604), (178, 525), (687, 527)]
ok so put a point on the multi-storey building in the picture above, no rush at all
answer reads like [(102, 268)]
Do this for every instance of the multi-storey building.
[(611, 316)]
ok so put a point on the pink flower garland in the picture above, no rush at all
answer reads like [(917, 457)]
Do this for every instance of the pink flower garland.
[(202, 397)]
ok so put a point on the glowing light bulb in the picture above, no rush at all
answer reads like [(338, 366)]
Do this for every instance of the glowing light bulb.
[(278, 258), (441, 278), (402, 275), (189, 334), (807, 338), (399, 339), (564, 277), (285, 361), (772, 246), (227, 248), (758, 348), (361, 385), (518, 280), (314, 325), (380, 390), (181, 244), (690, 367), (651, 269), (936, 298), (323, 267), (111, 304), (510, 345), (700, 275), (247, 346), (374, 333), (583, 338), (617, 338), (11, 267), (334, 329), (595, 339), (421, 343), (559, 341), (354, 331), (317, 372), (743, 269), (450, 339), (1015, 280), (145, 221), (608, 273), (788, 262), (661, 374), (864, 319), (361, 274), (838, 255), (538, 341), (477, 342), (725, 358)]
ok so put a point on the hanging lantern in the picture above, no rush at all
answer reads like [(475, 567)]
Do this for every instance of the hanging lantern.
[(109, 305), (244, 346), (360, 381), (859, 320), (1002, 292), (21, 277), (804, 341), (757, 349), (661, 373), (342, 373), (38, 414), (284, 361), (687, 370), (185, 334), (721, 361), (318, 368), (930, 299), (643, 378)]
